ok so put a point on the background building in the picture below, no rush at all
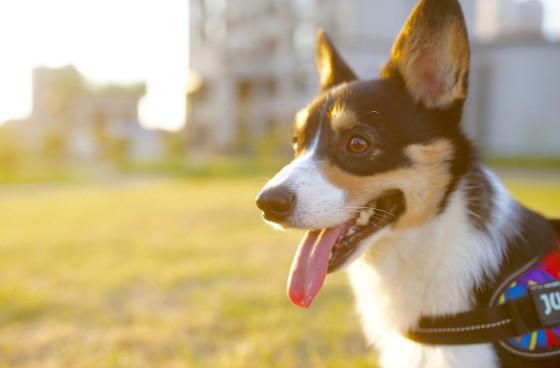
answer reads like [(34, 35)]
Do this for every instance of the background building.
[(73, 119), (254, 61)]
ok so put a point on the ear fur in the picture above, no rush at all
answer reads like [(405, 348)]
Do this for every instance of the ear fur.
[(432, 54), (333, 70)]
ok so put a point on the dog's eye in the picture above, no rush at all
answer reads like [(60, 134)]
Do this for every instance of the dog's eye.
[(357, 144)]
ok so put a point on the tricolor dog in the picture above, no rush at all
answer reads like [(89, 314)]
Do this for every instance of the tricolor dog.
[(447, 268)]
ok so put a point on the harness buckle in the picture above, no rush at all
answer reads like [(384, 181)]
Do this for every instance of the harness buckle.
[(517, 322)]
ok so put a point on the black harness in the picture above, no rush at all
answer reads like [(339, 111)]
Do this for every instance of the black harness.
[(512, 319), (522, 319)]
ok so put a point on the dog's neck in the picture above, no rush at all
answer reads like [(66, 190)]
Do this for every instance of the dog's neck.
[(434, 269)]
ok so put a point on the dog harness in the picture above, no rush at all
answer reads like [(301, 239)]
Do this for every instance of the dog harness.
[(523, 316), (539, 282)]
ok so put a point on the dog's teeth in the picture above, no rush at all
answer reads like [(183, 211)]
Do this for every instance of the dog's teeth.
[(364, 217)]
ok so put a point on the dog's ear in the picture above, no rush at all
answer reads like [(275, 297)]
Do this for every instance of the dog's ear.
[(333, 70), (432, 54)]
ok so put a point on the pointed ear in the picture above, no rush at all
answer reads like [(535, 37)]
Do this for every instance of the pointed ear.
[(332, 68), (432, 54)]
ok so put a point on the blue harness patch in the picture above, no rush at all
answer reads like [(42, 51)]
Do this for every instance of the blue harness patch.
[(530, 282)]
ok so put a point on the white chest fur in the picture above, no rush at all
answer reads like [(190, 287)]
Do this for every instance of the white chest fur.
[(429, 270)]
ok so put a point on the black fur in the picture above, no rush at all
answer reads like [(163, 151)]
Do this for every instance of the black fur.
[(480, 197), (390, 118)]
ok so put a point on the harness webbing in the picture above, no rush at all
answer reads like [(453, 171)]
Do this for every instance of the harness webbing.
[(487, 325), (537, 308)]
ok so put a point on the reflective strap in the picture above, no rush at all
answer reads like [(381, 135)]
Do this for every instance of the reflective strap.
[(487, 325)]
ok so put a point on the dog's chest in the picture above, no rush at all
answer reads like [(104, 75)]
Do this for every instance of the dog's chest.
[(382, 319), (427, 271)]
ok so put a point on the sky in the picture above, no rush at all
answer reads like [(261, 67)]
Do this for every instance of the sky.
[(109, 41), (117, 41)]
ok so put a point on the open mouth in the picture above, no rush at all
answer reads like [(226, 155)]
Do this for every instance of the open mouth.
[(327, 250), (374, 216)]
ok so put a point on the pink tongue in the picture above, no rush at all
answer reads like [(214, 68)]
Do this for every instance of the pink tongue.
[(310, 264)]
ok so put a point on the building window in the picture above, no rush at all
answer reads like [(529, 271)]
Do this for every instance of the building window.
[(302, 8)]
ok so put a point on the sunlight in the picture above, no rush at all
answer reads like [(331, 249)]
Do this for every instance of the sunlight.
[(552, 18), (123, 41)]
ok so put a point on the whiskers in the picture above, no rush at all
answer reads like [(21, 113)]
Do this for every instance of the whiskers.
[(378, 218), (372, 208)]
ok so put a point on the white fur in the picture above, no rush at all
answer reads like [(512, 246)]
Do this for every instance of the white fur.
[(429, 270), (319, 204)]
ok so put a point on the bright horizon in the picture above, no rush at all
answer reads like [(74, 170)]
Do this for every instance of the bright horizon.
[(111, 41), (108, 41)]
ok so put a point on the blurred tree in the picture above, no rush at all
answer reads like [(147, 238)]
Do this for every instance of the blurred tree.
[(175, 144), (54, 145), (12, 151)]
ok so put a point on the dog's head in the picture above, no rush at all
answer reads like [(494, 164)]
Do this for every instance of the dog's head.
[(376, 154)]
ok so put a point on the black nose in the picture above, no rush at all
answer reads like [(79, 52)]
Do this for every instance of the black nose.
[(276, 203)]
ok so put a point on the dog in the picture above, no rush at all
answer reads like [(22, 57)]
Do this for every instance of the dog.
[(389, 187)]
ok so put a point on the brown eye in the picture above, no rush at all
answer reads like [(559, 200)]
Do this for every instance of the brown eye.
[(358, 144)]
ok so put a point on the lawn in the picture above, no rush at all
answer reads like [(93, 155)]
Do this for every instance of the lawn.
[(167, 272)]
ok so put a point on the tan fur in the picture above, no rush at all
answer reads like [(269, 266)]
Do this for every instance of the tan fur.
[(301, 119), (324, 61), (430, 153), (433, 59), (429, 167), (342, 118), (332, 68)]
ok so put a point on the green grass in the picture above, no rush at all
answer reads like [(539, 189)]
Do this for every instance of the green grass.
[(158, 273), (167, 272), (544, 163)]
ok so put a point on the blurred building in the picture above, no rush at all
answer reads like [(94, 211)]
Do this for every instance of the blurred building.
[(254, 66), (520, 18), (512, 109), (252, 57), (73, 119)]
